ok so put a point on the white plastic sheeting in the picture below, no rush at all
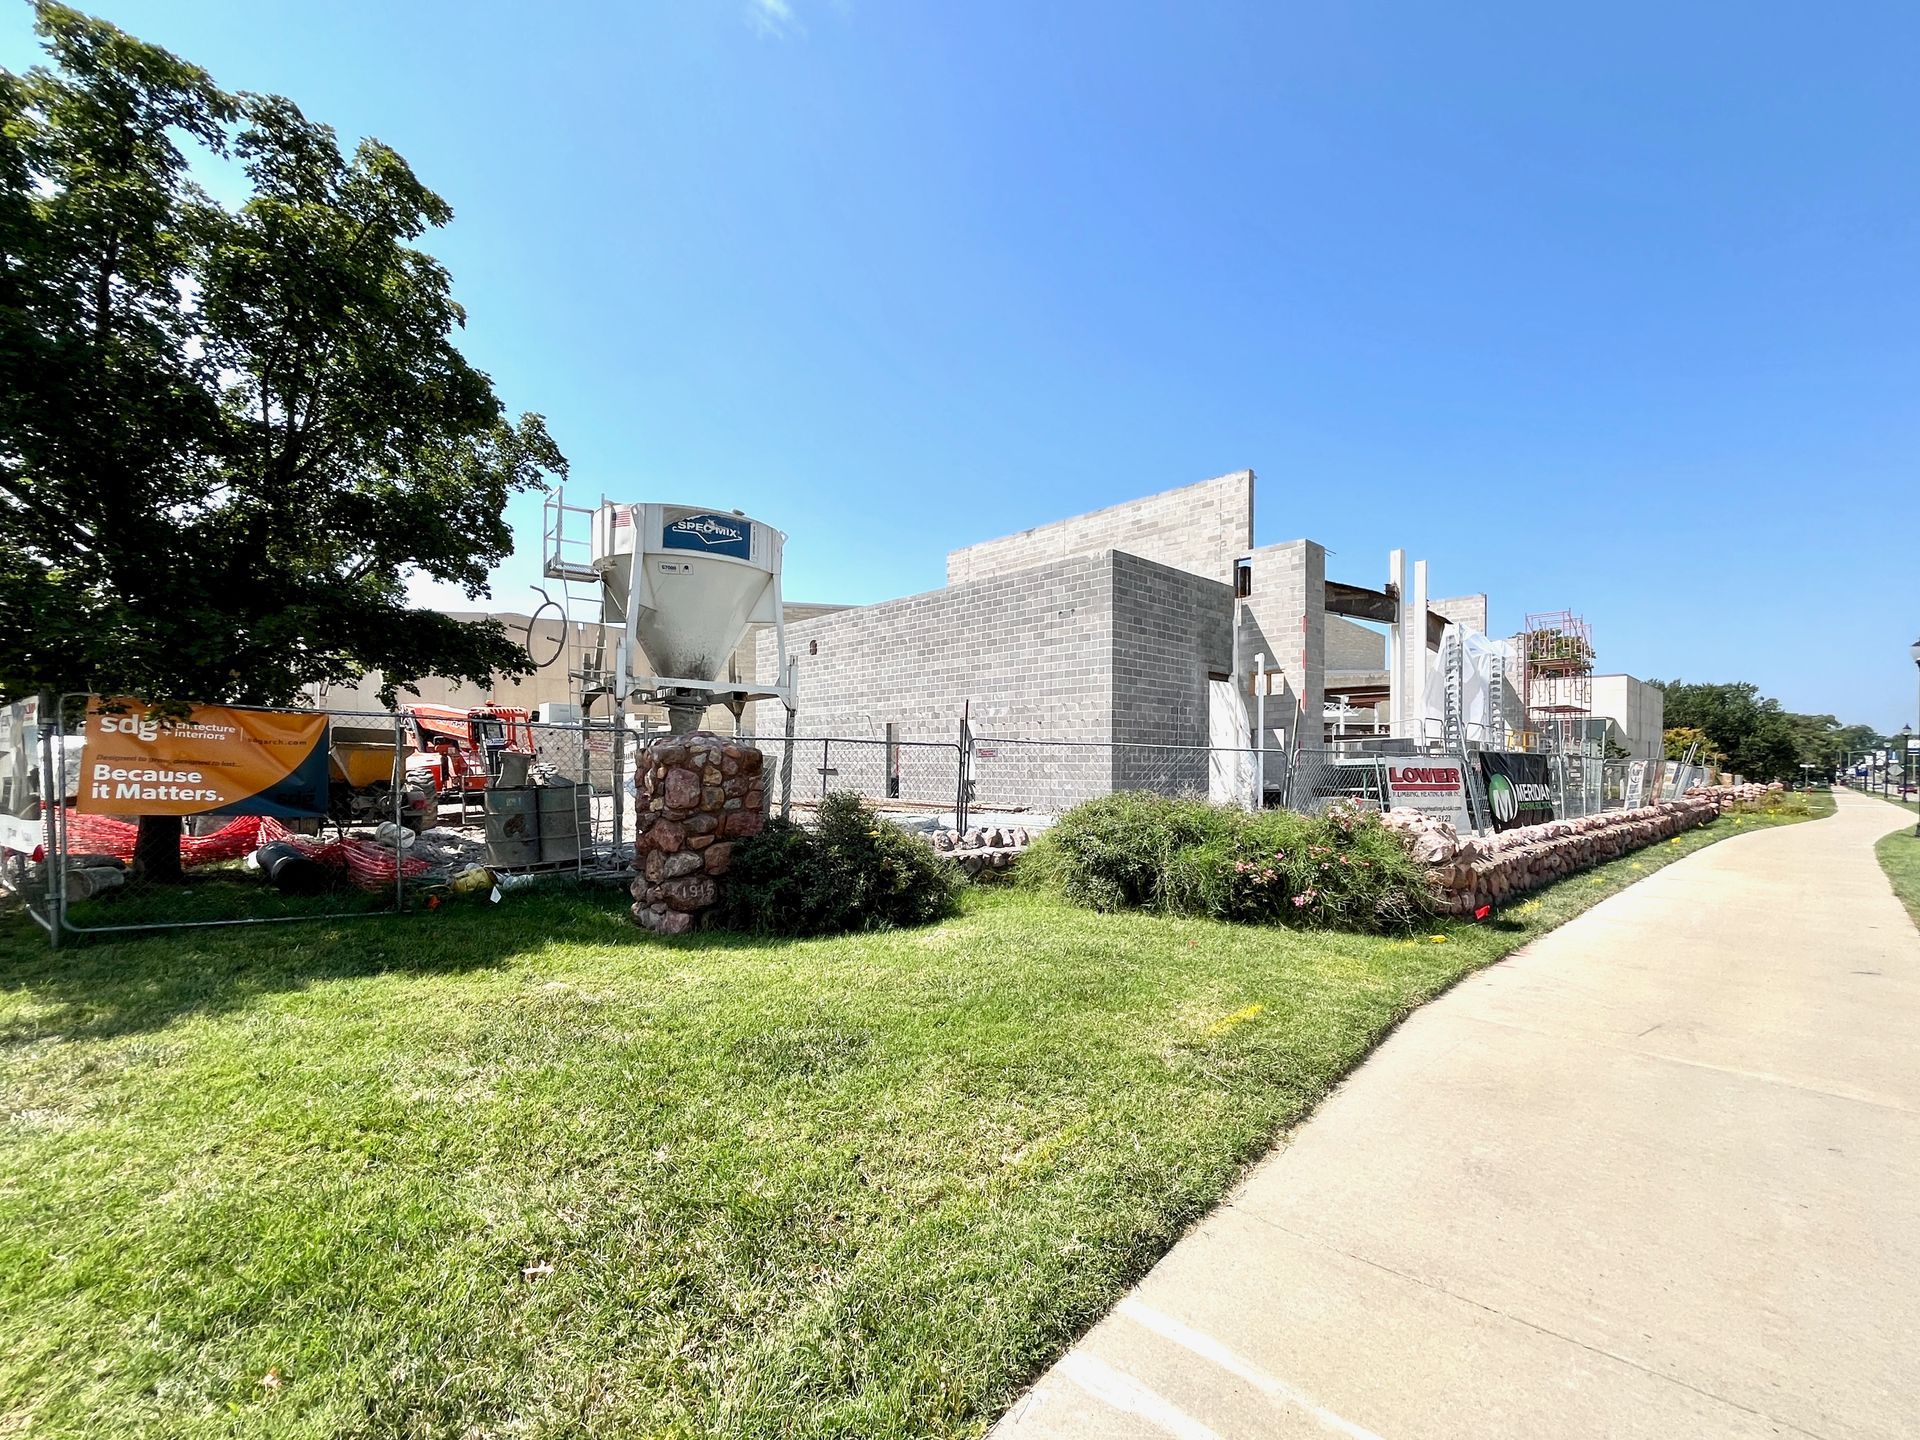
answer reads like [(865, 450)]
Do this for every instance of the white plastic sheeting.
[(1482, 663)]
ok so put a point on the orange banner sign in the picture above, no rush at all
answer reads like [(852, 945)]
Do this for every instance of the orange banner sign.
[(211, 760)]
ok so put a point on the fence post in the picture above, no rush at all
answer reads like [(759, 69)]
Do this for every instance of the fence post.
[(52, 719), (962, 780), (786, 768), (1478, 811), (399, 825), (618, 785), (826, 763)]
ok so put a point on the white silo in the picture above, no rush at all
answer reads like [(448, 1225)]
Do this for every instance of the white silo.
[(683, 583)]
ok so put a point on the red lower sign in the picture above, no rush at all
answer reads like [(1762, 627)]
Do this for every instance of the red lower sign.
[(1433, 787)]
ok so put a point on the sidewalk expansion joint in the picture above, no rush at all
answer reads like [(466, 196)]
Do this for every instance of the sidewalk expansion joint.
[(1536, 1327)]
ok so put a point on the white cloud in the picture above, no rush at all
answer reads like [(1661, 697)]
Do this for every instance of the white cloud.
[(772, 18)]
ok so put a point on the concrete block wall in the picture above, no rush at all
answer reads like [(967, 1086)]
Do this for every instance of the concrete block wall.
[(1285, 617), (1199, 528), (746, 655), (1352, 646), (1468, 610), (1172, 631), (1032, 650)]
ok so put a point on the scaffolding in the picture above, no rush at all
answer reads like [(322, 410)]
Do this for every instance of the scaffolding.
[(1556, 680)]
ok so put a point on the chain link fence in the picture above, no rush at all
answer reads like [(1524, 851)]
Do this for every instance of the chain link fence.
[(80, 862), (917, 774), (408, 808), (405, 811), (1320, 777), (1047, 777)]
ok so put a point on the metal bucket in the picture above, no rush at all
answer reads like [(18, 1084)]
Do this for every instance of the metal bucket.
[(513, 828), (566, 821)]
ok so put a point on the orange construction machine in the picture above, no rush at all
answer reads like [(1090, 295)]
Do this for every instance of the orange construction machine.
[(460, 750)]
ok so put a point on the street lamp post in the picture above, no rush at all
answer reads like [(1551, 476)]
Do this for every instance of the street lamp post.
[(1913, 650)]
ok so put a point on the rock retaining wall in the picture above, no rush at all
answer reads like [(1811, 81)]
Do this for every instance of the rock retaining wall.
[(1470, 871), (1750, 793), (697, 795)]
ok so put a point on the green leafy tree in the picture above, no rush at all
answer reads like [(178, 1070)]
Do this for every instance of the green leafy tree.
[(1680, 739), (1751, 735), (227, 436), (1853, 740), (1822, 743), (1751, 731)]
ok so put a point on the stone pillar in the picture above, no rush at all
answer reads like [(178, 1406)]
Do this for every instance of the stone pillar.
[(698, 794)]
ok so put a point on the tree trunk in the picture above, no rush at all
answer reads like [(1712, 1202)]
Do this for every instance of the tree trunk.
[(156, 850)]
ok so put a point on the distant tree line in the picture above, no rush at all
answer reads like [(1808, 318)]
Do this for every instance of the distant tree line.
[(1737, 728)]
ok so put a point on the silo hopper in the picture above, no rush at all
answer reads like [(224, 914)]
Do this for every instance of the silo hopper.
[(683, 583)]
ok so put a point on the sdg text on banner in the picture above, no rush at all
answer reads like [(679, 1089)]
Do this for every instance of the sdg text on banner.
[(212, 760)]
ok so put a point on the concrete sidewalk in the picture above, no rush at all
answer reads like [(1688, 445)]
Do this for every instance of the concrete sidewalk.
[(1656, 1175)]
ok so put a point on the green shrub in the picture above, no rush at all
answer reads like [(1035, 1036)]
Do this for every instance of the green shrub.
[(1112, 853), (775, 884), (1342, 870), (853, 871)]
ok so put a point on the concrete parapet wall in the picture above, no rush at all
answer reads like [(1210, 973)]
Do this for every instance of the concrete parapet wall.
[(1199, 528)]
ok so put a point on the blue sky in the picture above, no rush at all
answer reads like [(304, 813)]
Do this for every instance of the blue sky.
[(1603, 307)]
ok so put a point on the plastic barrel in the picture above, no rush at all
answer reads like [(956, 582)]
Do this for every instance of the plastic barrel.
[(513, 828), (89, 881), (292, 872), (565, 821)]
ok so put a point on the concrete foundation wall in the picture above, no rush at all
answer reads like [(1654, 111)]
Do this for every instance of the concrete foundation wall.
[(1200, 528)]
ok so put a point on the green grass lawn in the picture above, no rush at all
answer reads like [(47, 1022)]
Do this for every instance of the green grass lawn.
[(1894, 800), (1900, 857), (527, 1171)]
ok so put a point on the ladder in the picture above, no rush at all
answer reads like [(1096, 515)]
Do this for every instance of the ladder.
[(567, 556), (1453, 728), (566, 552)]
